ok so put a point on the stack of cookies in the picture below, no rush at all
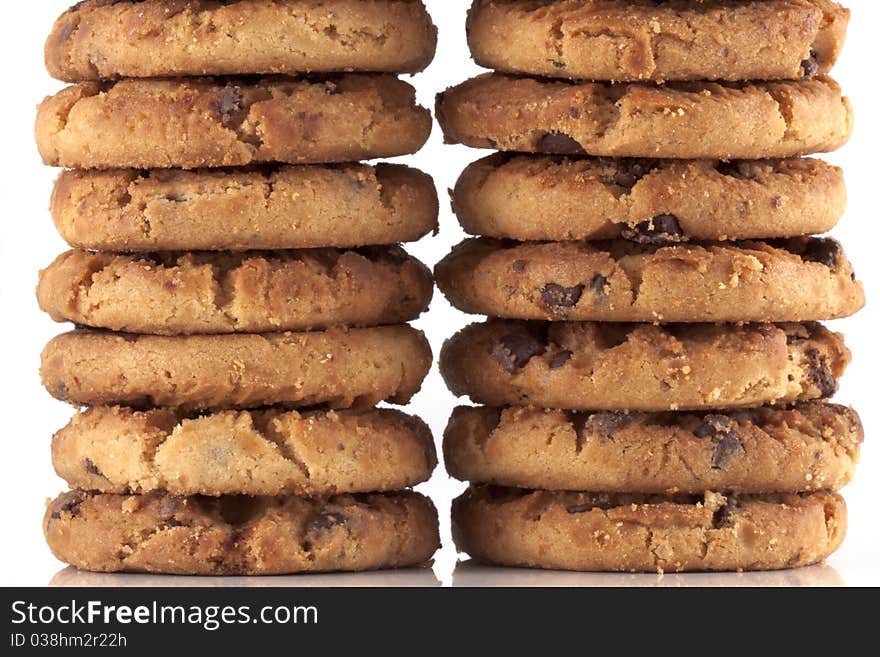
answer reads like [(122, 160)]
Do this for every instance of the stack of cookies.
[(239, 295), (653, 371)]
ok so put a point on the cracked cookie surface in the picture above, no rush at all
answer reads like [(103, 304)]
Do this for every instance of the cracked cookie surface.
[(687, 120), (269, 207), (236, 535), (206, 122), (808, 447), (155, 38), (589, 366), (193, 293), (264, 452), (598, 532), (534, 197), (339, 368), (652, 279), (648, 40)]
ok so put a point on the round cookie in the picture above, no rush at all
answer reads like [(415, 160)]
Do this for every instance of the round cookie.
[(808, 447), (282, 207), (687, 120), (205, 122), (624, 40), (190, 293), (340, 368), (265, 452), (782, 281), (154, 38), (236, 535), (556, 198), (587, 366), (601, 532)]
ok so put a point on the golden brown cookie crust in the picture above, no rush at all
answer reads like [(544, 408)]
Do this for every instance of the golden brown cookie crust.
[(114, 449), (284, 207), (532, 197), (155, 38), (162, 533), (205, 122), (201, 293), (684, 120), (340, 368), (801, 279), (589, 366), (598, 532), (627, 41), (808, 447)]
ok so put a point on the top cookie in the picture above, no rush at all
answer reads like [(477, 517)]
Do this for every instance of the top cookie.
[(668, 40), (98, 39)]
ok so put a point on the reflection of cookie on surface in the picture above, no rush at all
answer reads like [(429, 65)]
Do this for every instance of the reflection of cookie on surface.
[(271, 207), (204, 122), (600, 366), (238, 535), (808, 447), (340, 368), (265, 452), (184, 293), (586, 531)]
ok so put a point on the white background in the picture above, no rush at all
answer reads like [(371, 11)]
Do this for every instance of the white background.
[(28, 242)]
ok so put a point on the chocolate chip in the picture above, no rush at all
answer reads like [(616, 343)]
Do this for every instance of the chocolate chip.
[(629, 172), (169, 506), (91, 468), (560, 359), (598, 285), (61, 392), (604, 424), (558, 299), (810, 66), (558, 64), (560, 144), (732, 170), (662, 229), (726, 441), (825, 251), (69, 503), (327, 521), (589, 506), (820, 374), (519, 266), (723, 517), (229, 104), (514, 350)]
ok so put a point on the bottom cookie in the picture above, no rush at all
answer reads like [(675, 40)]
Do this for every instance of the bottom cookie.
[(643, 533), (161, 533)]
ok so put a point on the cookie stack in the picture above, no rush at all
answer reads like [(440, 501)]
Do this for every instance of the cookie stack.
[(653, 371), (239, 295)]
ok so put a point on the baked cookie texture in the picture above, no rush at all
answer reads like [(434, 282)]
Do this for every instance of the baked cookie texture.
[(589, 366), (536, 197), (683, 120), (651, 278), (97, 39), (627, 41), (268, 207), (192, 293), (237, 535), (264, 452), (338, 368), (808, 447), (205, 122), (614, 532)]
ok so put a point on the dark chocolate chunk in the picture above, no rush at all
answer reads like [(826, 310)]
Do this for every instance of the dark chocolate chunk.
[(229, 104), (726, 441), (68, 503), (169, 506), (91, 468), (560, 359), (820, 374), (723, 517), (629, 172), (519, 266), (732, 170), (825, 251), (327, 521), (598, 285), (662, 229), (514, 350), (558, 299), (604, 424), (560, 144), (810, 66)]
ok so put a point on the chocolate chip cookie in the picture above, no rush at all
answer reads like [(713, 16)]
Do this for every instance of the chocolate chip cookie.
[(237, 535), (688, 120), (268, 207), (206, 122), (533, 197), (96, 40), (265, 452), (809, 447), (650, 277), (339, 368), (602, 532), (190, 293), (589, 366), (648, 40)]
